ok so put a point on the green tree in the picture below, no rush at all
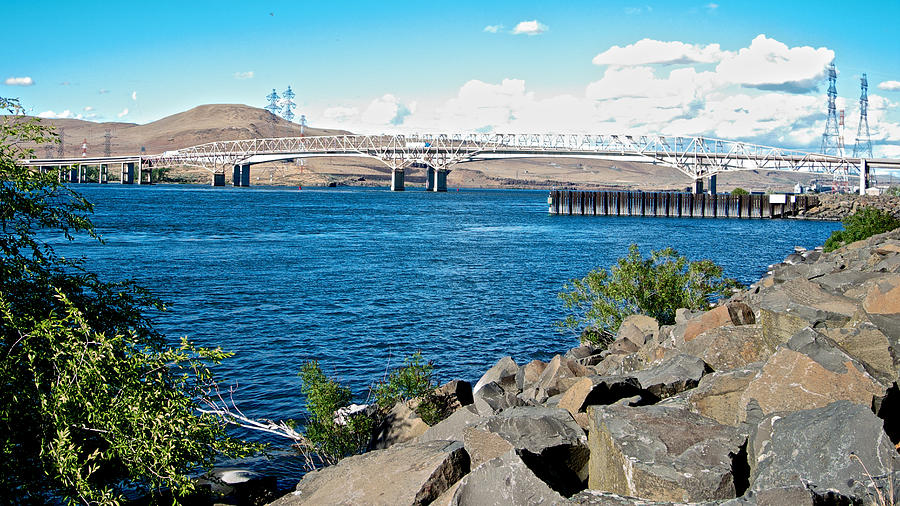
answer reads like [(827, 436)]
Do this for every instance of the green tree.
[(654, 286), (413, 380), (739, 191), (862, 224), (894, 191), (94, 401)]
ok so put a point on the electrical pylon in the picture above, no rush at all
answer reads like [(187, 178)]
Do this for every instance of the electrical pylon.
[(831, 139), (863, 146)]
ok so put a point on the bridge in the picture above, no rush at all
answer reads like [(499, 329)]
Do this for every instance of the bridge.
[(698, 158)]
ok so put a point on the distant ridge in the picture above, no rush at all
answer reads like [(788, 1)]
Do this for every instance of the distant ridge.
[(205, 123)]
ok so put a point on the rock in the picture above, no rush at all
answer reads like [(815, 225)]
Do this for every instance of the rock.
[(810, 372), (492, 398), (599, 498), (733, 313), (865, 342), (814, 448), (663, 454), (505, 480), (718, 396), (672, 376), (800, 303), (548, 440), (623, 346), (598, 390), (239, 486), (503, 373), (530, 373), (402, 474), (401, 424), (682, 315), (884, 297), (620, 364), (729, 347), (646, 325), (452, 427), (455, 394), (557, 377)]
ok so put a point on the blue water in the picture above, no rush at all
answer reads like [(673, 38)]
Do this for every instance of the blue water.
[(359, 278)]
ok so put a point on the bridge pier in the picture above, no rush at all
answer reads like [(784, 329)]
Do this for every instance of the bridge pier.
[(429, 178), (697, 186), (218, 179), (397, 180), (241, 175), (127, 173), (863, 175), (712, 184), (440, 183), (103, 176)]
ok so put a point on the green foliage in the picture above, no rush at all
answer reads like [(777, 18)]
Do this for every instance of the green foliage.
[(863, 224), (893, 191), (331, 439), (415, 380), (739, 191), (93, 400), (654, 286)]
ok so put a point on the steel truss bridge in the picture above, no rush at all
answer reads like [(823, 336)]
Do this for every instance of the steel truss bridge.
[(696, 157)]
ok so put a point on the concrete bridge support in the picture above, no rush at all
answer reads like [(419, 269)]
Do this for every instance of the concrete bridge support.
[(712, 184), (440, 183), (127, 173), (429, 178), (103, 176), (241, 175), (397, 180), (697, 186), (82, 174), (218, 179), (863, 175)]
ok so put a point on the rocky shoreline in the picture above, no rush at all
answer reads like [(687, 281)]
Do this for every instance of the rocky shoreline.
[(787, 393), (837, 206)]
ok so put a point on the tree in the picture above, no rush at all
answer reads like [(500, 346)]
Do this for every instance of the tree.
[(654, 286), (739, 191), (862, 224), (94, 401)]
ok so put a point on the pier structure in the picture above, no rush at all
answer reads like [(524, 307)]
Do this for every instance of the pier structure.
[(701, 159), (133, 170)]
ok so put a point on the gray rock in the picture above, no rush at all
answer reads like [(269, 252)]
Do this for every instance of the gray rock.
[(503, 373), (503, 481), (672, 376), (455, 394), (530, 373), (592, 390), (724, 348), (557, 377), (402, 474), (452, 427), (664, 454), (492, 398), (718, 396), (814, 448)]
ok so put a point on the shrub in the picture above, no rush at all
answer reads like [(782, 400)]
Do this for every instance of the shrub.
[(863, 224), (739, 191), (655, 286), (894, 191), (415, 380), (94, 401), (331, 439)]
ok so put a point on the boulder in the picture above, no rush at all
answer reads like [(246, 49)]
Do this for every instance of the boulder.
[(718, 396), (733, 313), (672, 376), (557, 377), (598, 390), (452, 427), (401, 424), (530, 373), (810, 372), (614, 364), (455, 394), (492, 398), (239, 486), (884, 297), (724, 348), (797, 304), (599, 498), (664, 454), (502, 481), (826, 449), (411, 473), (503, 373)]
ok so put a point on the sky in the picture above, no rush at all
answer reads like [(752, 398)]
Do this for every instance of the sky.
[(737, 70)]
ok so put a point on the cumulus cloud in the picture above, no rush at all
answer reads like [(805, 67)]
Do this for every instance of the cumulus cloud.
[(19, 81), (123, 113), (387, 110), (649, 52), (889, 85), (88, 108), (768, 64), (341, 114), (533, 27), (62, 115), (493, 28), (133, 95), (244, 75)]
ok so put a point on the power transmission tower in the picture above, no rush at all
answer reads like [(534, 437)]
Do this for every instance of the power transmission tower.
[(287, 104), (273, 99), (302, 124), (107, 143), (863, 147), (831, 139)]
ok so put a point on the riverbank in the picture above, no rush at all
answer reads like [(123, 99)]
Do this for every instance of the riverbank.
[(787, 391)]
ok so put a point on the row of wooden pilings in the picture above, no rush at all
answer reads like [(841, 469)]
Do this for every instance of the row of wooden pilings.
[(80, 173), (684, 205)]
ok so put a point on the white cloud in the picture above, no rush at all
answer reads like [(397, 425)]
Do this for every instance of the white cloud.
[(244, 75), (65, 83), (103, 91), (123, 113), (533, 27), (88, 108), (712, 6), (387, 110), (648, 51), (341, 114), (770, 65), (62, 115), (133, 95), (493, 28), (19, 81), (889, 86)]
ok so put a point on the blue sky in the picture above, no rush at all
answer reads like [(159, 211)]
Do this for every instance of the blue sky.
[(740, 70)]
